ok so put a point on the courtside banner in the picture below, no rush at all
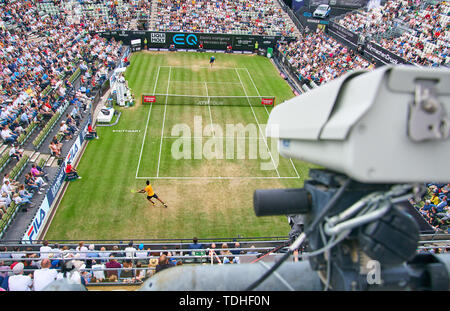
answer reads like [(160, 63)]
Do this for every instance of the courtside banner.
[(41, 216), (268, 101), (386, 57), (146, 99), (191, 41), (343, 33)]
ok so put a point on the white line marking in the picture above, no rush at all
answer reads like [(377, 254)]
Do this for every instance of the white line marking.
[(164, 121), (209, 107), (201, 82), (213, 96), (217, 177), (146, 125), (267, 111), (208, 137), (268, 149), (192, 67)]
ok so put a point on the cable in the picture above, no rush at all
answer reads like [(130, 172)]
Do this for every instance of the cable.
[(302, 236)]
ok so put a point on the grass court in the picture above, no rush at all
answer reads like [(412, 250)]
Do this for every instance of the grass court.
[(202, 145)]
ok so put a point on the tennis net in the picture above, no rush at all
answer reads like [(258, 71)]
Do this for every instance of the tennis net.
[(174, 99)]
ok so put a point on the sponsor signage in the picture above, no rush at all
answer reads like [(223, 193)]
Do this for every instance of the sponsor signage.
[(191, 41), (40, 217), (267, 101), (383, 55), (158, 37), (343, 32), (148, 99)]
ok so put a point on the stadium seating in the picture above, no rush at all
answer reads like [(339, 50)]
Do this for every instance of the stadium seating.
[(427, 24)]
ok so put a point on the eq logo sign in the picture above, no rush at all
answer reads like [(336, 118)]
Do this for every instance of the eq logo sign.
[(183, 39)]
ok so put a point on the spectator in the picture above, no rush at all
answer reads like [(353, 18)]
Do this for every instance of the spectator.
[(225, 252), (24, 193), (98, 270), (4, 254), (163, 263), (38, 172), (141, 254), (45, 250), (195, 245), (55, 150), (92, 253), (44, 276), (15, 153), (82, 250), (18, 281), (112, 264), (64, 130), (236, 250), (17, 255), (127, 274), (6, 188), (31, 183), (7, 135), (117, 252), (130, 250), (252, 251)]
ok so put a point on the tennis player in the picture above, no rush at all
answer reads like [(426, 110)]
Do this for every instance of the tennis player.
[(151, 194), (212, 60)]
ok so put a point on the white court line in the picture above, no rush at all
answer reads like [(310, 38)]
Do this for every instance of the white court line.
[(218, 137), (164, 120), (267, 111), (191, 82), (218, 177), (146, 125), (218, 96), (256, 119), (209, 107), (205, 67)]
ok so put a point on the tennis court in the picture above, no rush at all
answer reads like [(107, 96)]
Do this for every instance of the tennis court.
[(181, 144), (212, 122)]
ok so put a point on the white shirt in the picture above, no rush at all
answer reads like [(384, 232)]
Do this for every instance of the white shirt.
[(45, 250), (20, 282), (141, 254), (98, 271), (82, 251), (129, 251), (44, 277), (6, 188)]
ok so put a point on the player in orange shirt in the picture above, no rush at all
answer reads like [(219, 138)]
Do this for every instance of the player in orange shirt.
[(151, 194)]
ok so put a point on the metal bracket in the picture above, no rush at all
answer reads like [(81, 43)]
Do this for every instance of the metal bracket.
[(427, 117)]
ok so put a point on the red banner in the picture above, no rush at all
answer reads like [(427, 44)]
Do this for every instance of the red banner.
[(148, 99), (267, 101)]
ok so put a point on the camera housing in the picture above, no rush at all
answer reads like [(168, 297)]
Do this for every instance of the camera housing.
[(389, 125)]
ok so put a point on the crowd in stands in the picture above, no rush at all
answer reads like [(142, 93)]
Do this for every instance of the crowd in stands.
[(258, 17), (319, 58), (434, 207), (39, 55), (25, 269), (425, 40), (109, 15), (30, 67)]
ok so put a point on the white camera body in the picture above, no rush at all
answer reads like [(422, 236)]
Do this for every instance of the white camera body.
[(389, 125)]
